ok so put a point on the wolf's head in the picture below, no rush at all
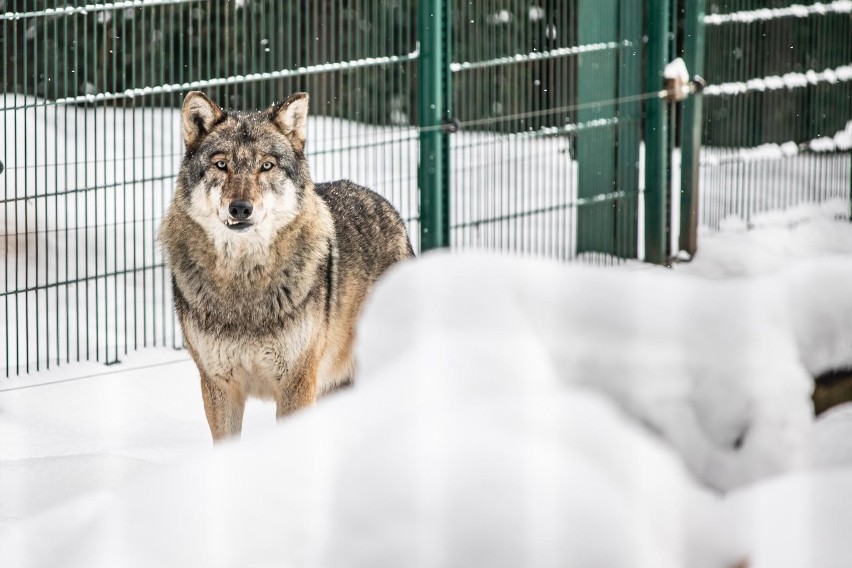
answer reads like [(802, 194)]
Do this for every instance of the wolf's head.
[(243, 175)]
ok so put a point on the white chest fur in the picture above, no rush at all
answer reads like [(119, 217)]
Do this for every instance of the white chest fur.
[(258, 366)]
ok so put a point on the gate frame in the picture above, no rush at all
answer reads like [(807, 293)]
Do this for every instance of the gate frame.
[(691, 127), (434, 106)]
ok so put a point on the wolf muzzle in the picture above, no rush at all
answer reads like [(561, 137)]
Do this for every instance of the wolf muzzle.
[(240, 210)]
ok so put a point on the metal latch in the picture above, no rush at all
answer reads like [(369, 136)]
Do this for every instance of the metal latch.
[(451, 125)]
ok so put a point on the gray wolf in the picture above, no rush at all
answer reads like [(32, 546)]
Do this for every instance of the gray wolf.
[(269, 270)]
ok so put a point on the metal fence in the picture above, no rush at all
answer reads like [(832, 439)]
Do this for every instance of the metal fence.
[(538, 127), (777, 129), (91, 143), (544, 94)]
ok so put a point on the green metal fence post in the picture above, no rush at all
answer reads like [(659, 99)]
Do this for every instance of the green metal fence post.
[(434, 106), (656, 137), (629, 131), (597, 72), (693, 53)]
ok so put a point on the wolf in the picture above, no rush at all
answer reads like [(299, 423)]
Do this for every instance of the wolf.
[(269, 270)]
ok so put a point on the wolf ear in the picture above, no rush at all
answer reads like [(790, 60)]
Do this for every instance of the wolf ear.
[(200, 115), (291, 116)]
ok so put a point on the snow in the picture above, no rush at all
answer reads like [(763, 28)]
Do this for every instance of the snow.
[(723, 378), (772, 241), (83, 428), (455, 67), (797, 520), (89, 8), (809, 238), (508, 423), (796, 11), (536, 13), (676, 69), (790, 80), (832, 433), (454, 463)]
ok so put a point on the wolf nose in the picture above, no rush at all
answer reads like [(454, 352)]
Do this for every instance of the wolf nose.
[(240, 210)]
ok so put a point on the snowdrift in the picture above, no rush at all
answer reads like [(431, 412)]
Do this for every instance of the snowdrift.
[(519, 413)]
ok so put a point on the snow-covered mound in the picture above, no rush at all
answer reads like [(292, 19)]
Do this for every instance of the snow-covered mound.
[(773, 242), (502, 419), (718, 368), (441, 457)]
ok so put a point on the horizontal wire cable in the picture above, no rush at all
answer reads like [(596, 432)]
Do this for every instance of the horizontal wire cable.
[(82, 227), (661, 94), (579, 202), (114, 371), (78, 280), (113, 184)]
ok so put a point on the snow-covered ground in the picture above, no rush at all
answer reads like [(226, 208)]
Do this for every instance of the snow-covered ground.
[(521, 412)]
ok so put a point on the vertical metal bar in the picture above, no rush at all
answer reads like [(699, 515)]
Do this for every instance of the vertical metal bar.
[(56, 185), (34, 196), (434, 107), (146, 74), (76, 256), (94, 253), (656, 136), (5, 158), (36, 216), (693, 51), (133, 208), (597, 23), (629, 116), (127, 82)]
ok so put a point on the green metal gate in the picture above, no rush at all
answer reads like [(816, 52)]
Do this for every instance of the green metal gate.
[(537, 127)]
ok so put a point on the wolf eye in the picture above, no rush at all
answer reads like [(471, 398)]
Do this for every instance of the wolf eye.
[(222, 165), (266, 166)]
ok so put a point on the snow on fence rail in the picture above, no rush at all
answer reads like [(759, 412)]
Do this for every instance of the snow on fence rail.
[(794, 11), (91, 8), (221, 81), (791, 80)]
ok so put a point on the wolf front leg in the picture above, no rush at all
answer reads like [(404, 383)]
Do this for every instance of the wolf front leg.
[(224, 405), (301, 391)]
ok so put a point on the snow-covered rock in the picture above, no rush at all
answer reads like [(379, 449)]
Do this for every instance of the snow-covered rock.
[(713, 366)]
